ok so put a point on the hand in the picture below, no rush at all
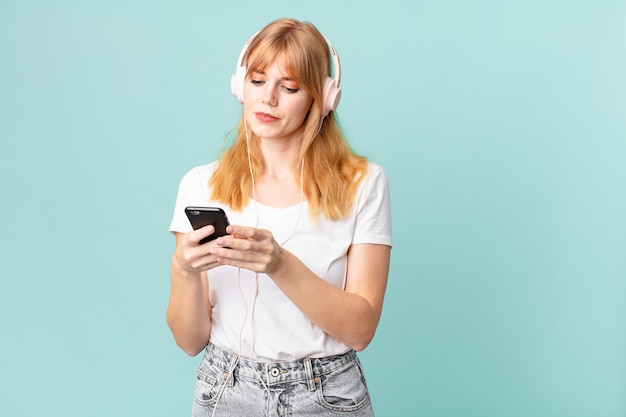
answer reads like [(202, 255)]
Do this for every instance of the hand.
[(249, 248), (190, 256)]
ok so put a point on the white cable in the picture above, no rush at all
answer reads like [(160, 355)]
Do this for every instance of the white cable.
[(256, 213)]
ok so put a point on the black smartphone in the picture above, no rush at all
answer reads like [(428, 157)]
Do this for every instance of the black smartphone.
[(203, 216)]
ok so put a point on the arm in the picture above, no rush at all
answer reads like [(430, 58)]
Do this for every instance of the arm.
[(189, 311), (350, 315)]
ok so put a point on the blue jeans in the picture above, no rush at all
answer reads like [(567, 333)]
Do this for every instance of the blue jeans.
[(229, 386)]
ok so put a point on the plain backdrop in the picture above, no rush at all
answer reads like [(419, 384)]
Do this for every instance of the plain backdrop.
[(501, 125)]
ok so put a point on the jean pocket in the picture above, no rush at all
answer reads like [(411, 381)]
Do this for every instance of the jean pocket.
[(206, 388), (344, 389)]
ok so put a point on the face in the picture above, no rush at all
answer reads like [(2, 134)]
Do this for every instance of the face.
[(275, 106)]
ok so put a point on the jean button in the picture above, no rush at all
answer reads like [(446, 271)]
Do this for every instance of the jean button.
[(274, 372)]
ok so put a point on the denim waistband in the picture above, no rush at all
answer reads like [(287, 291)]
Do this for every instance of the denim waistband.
[(275, 372)]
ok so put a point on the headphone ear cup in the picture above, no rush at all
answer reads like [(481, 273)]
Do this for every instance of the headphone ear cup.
[(331, 96), (236, 83), (239, 78)]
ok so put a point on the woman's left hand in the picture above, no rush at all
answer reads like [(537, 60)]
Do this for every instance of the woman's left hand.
[(249, 248)]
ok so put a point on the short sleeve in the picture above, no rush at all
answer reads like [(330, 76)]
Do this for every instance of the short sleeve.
[(373, 216)]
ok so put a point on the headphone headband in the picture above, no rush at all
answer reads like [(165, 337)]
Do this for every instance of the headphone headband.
[(331, 93)]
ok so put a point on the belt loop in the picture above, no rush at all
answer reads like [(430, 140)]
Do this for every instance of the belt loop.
[(234, 360), (308, 369)]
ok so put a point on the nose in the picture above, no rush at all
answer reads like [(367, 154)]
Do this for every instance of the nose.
[(269, 96)]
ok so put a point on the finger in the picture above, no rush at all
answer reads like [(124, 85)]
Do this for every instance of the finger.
[(202, 256), (235, 242), (240, 259), (207, 263), (236, 253), (245, 232), (254, 259), (240, 231), (195, 236)]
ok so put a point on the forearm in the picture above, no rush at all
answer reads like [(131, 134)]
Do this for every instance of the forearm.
[(347, 316), (188, 312)]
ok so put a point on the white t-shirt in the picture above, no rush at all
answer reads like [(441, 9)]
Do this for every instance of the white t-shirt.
[(272, 328)]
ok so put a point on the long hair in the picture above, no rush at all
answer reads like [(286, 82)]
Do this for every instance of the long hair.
[(332, 171)]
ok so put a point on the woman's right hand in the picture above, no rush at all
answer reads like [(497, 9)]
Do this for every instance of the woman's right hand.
[(191, 257)]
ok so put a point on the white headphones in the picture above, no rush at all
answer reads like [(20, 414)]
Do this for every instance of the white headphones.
[(330, 95)]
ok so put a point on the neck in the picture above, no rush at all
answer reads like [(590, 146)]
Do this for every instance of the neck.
[(281, 159)]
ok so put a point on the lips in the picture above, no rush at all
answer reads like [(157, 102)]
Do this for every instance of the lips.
[(265, 118)]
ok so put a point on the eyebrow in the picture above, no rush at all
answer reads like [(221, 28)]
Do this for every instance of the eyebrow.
[(263, 73)]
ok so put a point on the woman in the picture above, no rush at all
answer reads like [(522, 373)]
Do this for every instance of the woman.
[(281, 303)]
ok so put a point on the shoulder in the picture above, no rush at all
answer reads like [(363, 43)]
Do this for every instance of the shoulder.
[(375, 176), (375, 170), (201, 173), (374, 187), (195, 183)]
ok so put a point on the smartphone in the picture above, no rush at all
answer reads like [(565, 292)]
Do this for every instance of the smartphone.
[(203, 216)]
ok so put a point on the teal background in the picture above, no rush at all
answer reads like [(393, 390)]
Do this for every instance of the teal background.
[(501, 125)]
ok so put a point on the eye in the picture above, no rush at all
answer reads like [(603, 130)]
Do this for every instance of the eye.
[(256, 78), (290, 87)]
